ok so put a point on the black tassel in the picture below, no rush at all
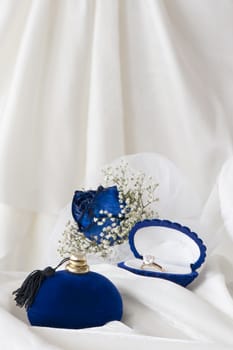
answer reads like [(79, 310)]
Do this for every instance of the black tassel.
[(25, 295)]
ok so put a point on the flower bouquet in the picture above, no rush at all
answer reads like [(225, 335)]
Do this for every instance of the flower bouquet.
[(103, 218)]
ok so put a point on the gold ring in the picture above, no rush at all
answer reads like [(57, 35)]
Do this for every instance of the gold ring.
[(149, 263)]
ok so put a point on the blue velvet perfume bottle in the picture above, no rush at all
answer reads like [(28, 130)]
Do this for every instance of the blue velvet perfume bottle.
[(75, 298)]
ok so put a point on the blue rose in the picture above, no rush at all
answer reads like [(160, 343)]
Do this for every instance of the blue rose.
[(88, 205)]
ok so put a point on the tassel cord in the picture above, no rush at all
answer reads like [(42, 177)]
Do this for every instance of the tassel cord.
[(25, 295)]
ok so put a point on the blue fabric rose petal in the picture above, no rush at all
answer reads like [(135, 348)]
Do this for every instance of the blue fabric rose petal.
[(87, 205)]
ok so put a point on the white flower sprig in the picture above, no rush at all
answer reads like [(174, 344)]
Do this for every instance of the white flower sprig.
[(136, 195)]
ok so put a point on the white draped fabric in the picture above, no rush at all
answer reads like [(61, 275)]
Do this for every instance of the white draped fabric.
[(84, 82)]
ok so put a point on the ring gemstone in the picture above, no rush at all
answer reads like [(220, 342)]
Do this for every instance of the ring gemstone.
[(148, 259)]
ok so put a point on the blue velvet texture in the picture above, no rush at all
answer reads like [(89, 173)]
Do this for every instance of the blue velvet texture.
[(86, 206), (182, 279), (171, 225), (67, 300)]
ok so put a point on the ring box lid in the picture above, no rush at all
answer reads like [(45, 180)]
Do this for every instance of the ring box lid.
[(168, 242)]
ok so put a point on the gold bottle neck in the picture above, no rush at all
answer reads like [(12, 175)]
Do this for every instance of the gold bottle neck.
[(78, 264)]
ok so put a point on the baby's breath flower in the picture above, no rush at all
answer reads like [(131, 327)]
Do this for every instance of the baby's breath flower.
[(136, 194)]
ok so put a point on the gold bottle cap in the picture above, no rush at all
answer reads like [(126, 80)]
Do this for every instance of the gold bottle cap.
[(78, 264)]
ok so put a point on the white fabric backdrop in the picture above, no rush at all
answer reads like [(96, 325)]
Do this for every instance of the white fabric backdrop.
[(83, 82)]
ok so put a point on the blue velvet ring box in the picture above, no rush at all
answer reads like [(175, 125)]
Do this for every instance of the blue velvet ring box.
[(176, 248)]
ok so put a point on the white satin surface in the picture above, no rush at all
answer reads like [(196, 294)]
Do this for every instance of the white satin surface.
[(84, 82)]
